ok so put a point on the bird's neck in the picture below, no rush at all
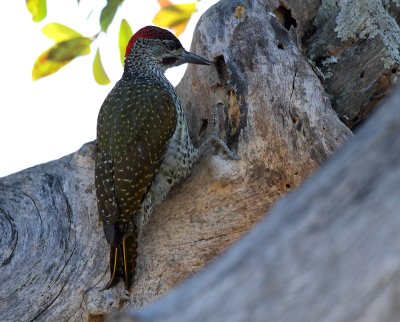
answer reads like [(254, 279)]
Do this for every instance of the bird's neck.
[(142, 64)]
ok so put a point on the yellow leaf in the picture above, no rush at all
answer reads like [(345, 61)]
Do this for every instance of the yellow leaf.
[(174, 16), (37, 8), (125, 33), (99, 73), (164, 3), (180, 27), (59, 32), (60, 55)]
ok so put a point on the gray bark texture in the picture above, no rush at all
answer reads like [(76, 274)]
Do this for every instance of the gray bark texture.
[(356, 46), (327, 252), (274, 112)]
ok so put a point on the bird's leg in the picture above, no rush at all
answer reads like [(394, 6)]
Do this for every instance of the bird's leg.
[(215, 140)]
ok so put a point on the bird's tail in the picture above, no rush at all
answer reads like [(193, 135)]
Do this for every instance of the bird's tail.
[(123, 261)]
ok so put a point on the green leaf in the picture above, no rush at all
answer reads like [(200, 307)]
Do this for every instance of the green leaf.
[(174, 16), (108, 13), (99, 73), (60, 55), (59, 32), (37, 8), (125, 33)]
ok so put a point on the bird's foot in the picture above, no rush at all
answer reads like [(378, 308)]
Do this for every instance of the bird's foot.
[(215, 141)]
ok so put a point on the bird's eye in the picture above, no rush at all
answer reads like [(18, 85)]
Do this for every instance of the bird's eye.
[(170, 45)]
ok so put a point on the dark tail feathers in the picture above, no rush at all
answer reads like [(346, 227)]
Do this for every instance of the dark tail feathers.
[(123, 261)]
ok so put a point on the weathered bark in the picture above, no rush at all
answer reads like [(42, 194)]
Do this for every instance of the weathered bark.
[(297, 16), (275, 114), (327, 252), (52, 251), (282, 130), (356, 46)]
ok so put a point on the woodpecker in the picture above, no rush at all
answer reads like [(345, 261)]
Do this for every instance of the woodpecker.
[(143, 144)]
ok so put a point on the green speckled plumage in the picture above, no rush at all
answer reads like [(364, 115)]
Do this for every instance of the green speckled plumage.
[(134, 125), (143, 145)]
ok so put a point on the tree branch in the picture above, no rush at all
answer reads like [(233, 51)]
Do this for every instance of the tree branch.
[(327, 252)]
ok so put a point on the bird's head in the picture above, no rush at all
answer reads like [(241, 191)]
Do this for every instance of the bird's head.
[(160, 46)]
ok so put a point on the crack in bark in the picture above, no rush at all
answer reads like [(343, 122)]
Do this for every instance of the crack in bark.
[(13, 230), (69, 209), (37, 209), (65, 265), (294, 78), (69, 240), (51, 303), (207, 239)]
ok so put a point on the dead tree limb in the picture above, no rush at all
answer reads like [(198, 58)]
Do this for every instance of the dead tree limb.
[(356, 45), (273, 111), (327, 252)]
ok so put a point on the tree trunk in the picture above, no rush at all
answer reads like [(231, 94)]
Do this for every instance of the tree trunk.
[(327, 252), (356, 46), (273, 111)]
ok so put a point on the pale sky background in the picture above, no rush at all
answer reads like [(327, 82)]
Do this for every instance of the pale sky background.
[(51, 117)]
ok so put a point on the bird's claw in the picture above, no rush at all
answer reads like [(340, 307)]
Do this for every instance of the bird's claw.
[(217, 142)]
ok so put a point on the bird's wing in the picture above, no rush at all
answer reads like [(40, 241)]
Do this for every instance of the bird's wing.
[(141, 125), (104, 164)]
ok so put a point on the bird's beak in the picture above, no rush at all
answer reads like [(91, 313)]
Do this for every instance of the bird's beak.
[(194, 59)]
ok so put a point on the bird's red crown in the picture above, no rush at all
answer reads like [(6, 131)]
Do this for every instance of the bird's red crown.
[(150, 32)]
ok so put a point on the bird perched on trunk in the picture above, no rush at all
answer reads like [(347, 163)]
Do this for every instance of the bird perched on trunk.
[(143, 144)]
